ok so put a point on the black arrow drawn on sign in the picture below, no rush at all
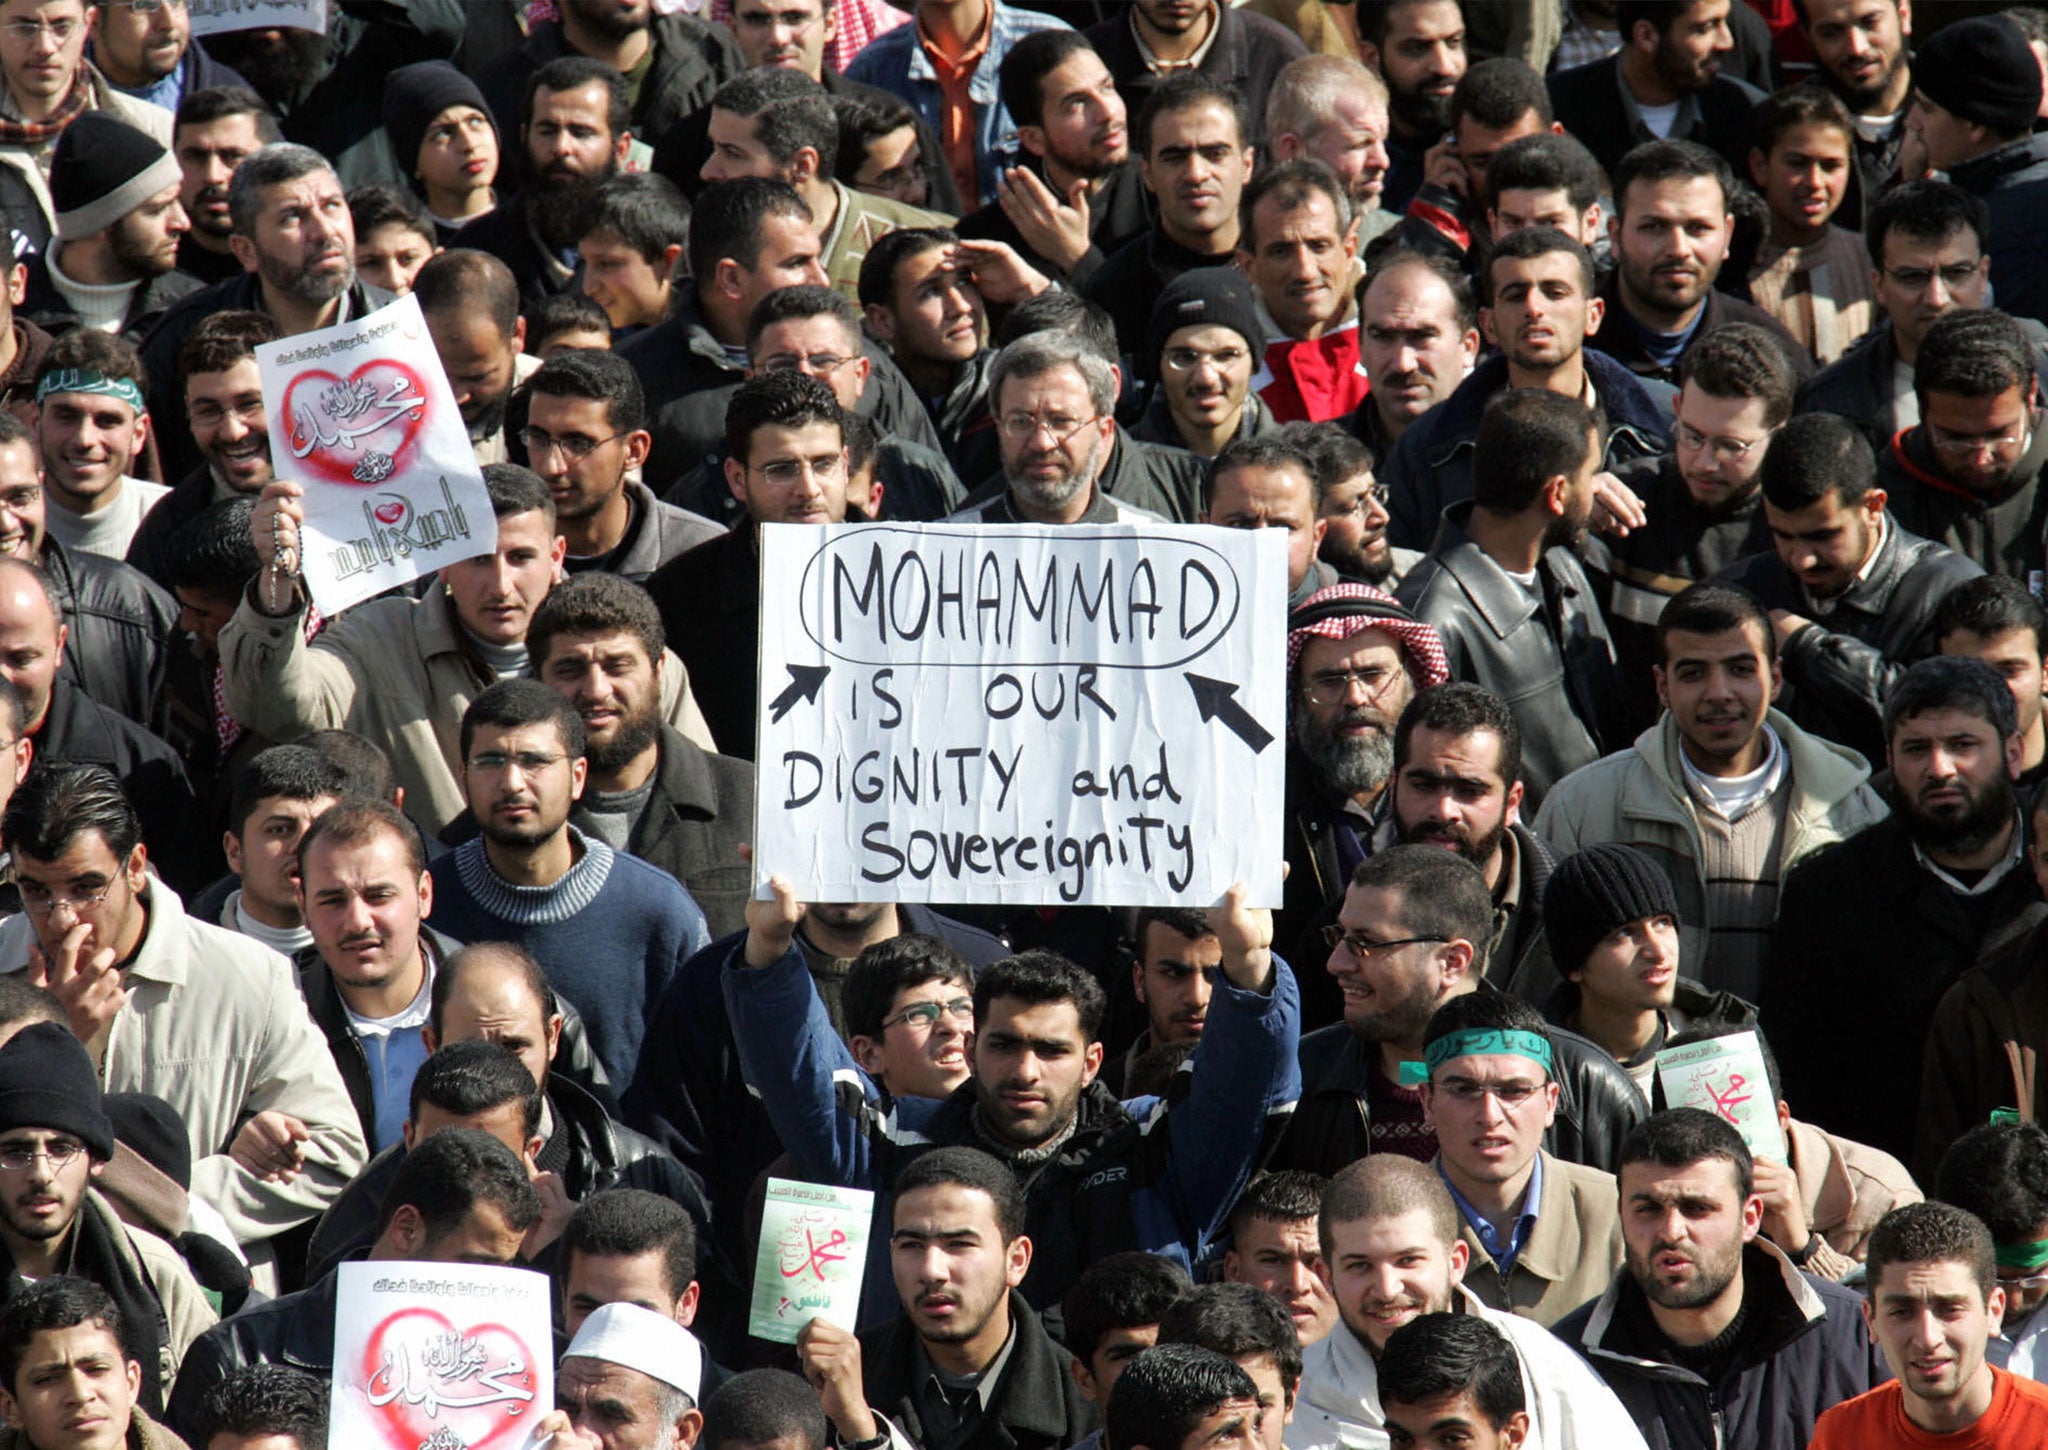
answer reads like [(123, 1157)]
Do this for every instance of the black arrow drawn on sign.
[(1216, 700), (804, 681)]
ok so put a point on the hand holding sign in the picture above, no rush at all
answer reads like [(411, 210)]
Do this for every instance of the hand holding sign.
[(1246, 935), (814, 1247), (830, 1357)]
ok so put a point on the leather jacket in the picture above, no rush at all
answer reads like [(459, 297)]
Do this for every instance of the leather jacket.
[(295, 1330), (122, 629)]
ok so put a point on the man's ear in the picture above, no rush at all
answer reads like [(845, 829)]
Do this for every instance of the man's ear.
[(881, 322), (231, 847), (736, 478), (244, 250), (867, 1053), (1032, 138), (1017, 1260), (639, 443), (1084, 1381)]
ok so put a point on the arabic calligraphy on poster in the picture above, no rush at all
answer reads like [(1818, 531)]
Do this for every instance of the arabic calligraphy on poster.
[(363, 419), (814, 1248), (440, 1357), (1725, 1076)]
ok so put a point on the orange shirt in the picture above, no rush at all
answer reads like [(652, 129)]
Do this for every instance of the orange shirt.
[(956, 120), (1877, 1421)]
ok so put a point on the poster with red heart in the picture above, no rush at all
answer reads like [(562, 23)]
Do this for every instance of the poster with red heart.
[(370, 429), (440, 1357)]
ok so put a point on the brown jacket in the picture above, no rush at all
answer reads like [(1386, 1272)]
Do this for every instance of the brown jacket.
[(143, 1434), (1984, 1049), (1572, 1252), (1846, 1188)]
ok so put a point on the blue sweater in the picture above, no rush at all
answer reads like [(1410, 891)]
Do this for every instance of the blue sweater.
[(609, 934)]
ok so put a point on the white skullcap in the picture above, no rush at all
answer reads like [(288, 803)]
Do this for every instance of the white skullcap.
[(654, 1344)]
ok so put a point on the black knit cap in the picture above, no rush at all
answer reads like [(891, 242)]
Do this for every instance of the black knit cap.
[(152, 1127), (47, 1081), (1983, 70), (1207, 297), (1597, 891), (103, 169), (414, 95)]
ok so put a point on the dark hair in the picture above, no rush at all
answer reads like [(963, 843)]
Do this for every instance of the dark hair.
[(21, 1004), (223, 339), (1711, 608), (878, 267), (509, 704), (864, 120), (1656, 161), (356, 820), (1036, 978), (363, 761), (1166, 1391), (1926, 211), (1457, 709), (1494, 1011), (1530, 243), (1801, 105), (1058, 310), (278, 164), (1930, 1233), (1119, 1291), (1287, 1195), (729, 219), (1742, 360), (283, 772), (573, 73), (790, 112), (1442, 894), (1526, 437), (466, 280), (1029, 62), (1291, 184), (1275, 450), (1376, 20), (792, 304), (59, 1302), (475, 1076), (217, 103), (1967, 353), (94, 351), (1464, 303), (1387, 1185), (1333, 455), (563, 312), (1238, 1320), (515, 490), (776, 400), (1183, 921), (1498, 92), (624, 1223), (445, 1176), (1681, 1137), (1440, 1356), (1999, 1173), (59, 802), (862, 440), (599, 375), (1660, 14), (374, 204), (759, 1406), (1546, 162), (968, 1168), (1991, 604), (888, 968), (1814, 456), (643, 210), (212, 552), (1943, 682), (1183, 92), (492, 953), (595, 603), (265, 1399)]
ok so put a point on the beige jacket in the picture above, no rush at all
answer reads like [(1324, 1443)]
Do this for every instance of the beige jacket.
[(187, 1311), (1572, 1252), (862, 221), (215, 1026), (1846, 1188), (143, 1434), (394, 670)]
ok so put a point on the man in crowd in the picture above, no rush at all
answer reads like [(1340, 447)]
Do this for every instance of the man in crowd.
[(1154, 39), (1353, 508), (1269, 483), (67, 1364), (918, 296), (471, 305), (263, 1407), (1547, 180), (1725, 793), (1112, 1314), (149, 54), (1299, 245), (1418, 338), (1998, 620), (1331, 109), (93, 429), (218, 127), (1861, 52), (629, 1246), (1498, 101), (1447, 1373), (631, 1377), (1273, 1248), (1203, 347), (1173, 976), (1184, 1397), (1995, 1171), (1418, 48), (274, 798)]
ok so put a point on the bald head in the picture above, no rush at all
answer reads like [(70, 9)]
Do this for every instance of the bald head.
[(31, 637), (495, 992)]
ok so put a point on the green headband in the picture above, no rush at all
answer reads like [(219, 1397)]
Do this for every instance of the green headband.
[(2029, 1255), (1478, 1042), (89, 380)]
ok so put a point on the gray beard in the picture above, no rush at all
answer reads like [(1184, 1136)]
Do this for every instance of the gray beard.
[(1352, 767)]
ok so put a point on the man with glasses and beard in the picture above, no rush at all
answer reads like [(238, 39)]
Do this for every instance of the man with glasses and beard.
[(1707, 1328), (1871, 933)]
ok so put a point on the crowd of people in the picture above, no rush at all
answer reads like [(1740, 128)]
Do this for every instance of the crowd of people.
[(1649, 392)]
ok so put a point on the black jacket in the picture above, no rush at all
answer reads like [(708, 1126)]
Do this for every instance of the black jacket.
[(1597, 1102), (1119, 210), (1248, 51), (2013, 180), (1805, 1350), (79, 730), (1620, 339), (1858, 384), (507, 232), (46, 307), (123, 629), (1587, 102), (294, 1329), (2005, 533), (709, 600), (1126, 285), (1035, 1405), (1838, 669), (1867, 941)]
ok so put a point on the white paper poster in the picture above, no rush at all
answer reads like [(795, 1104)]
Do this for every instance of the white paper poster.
[(440, 1357), (210, 17), (1725, 1076), (1022, 715), (814, 1251), (362, 417)]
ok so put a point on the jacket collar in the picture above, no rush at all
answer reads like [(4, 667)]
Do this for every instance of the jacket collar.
[(163, 954), (1796, 1302), (1620, 393), (1555, 1244), (1822, 773), (1980, 173), (1503, 604), (683, 777), (1029, 1396)]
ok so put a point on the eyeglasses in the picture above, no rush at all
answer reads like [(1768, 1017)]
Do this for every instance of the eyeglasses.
[(574, 446), (816, 362), (1187, 359), (28, 32), (1725, 450), (1511, 1094), (1025, 427), (1335, 688), (925, 1015), (38, 900), (210, 415), (15, 500), (1362, 946), (1365, 503), (530, 762), (59, 1154), (1950, 446), (1955, 275), (789, 472)]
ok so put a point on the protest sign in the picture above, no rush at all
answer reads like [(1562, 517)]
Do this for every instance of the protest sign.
[(439, 1357), (814, 1246), (1725, 1076), (211, 17), (1022, 715), (362, 417)]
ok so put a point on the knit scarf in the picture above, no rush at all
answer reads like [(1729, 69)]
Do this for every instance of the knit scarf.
[(1021, 1158), (33, 134)]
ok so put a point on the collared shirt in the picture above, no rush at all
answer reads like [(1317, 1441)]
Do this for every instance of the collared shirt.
[(955, 73), (1503, 1255), (945, 1413), (394, 1050), (2015, 852), (1160, 67)]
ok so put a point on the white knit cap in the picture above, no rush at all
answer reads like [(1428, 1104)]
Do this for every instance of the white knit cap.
[(654, 1344)]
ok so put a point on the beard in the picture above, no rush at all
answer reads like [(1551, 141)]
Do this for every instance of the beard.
[(1056, 493), (277, 72), (606, 19), (562, 206), (141, 260), (1420, 114), (1353, 765), (1862, 99), (1477, 849), (1713, 1277), (1960, 832), (634, 734)]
